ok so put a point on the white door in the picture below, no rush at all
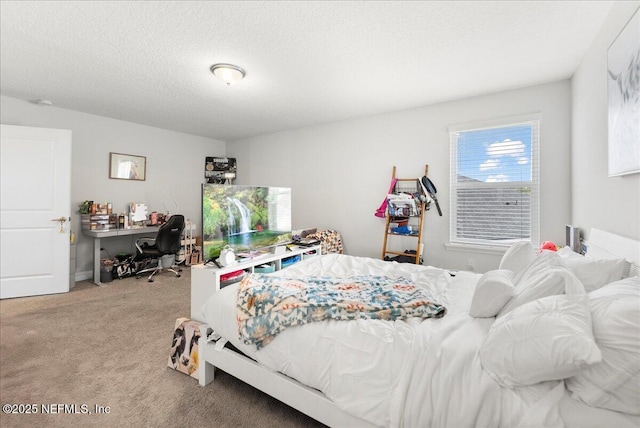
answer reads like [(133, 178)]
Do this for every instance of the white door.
[(35, 192)]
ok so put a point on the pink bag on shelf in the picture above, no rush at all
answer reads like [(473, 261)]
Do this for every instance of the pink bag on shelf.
[(382, 210)]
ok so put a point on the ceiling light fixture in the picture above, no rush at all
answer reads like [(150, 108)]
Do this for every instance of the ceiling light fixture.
[(229, 73), (44, 102)]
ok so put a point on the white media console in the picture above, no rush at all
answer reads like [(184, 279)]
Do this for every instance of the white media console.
[(205, 279)]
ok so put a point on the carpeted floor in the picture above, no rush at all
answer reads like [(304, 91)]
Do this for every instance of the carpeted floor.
[(108, 346)]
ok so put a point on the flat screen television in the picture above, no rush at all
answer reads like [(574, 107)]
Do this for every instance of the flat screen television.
[(246, 218)]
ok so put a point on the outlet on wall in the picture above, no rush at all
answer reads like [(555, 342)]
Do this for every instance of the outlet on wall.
[(471, 264)]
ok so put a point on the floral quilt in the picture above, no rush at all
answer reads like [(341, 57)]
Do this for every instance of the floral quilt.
[(267, 305)]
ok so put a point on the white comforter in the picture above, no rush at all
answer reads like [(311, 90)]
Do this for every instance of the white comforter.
[(418, 373)]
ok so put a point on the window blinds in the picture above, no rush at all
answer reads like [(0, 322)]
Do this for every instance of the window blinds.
[(495, 183)]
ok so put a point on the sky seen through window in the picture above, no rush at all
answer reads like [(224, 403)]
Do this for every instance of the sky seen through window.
[(495, 154)]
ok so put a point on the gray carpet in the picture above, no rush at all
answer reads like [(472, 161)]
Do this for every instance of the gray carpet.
[(109, 346)]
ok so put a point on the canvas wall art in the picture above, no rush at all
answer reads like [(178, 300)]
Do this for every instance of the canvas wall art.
[(623, 77)]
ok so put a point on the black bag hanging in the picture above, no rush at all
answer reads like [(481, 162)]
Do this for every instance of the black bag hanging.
[(431, 190)]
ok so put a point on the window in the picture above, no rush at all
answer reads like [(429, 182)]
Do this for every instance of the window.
[(494, 183)]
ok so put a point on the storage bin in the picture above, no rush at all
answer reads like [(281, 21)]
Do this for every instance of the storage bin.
[(184, 347), (265, 268), (106, 274), (289, 261)]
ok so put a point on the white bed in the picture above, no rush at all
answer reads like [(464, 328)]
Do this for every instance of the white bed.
[(432, 372)]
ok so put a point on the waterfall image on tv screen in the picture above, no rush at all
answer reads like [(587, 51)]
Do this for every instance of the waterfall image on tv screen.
[(244, 217)]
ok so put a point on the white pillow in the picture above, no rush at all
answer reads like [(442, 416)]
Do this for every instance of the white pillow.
[(493, 290), (547, 339), (545, 276), (624, 287), (593, 273), (614, 383), (517, 257)]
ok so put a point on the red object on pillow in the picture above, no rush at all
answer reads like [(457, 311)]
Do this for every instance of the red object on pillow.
[(548, 245)]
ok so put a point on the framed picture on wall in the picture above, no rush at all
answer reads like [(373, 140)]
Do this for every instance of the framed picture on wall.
[(623, 86), (219, 169), (127, 167)]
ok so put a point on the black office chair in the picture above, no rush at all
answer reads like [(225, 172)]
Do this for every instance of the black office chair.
[(166, 243)]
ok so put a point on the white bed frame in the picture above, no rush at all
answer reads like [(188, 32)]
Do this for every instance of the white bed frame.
[(312, 402), (291, 392), (605, 245)]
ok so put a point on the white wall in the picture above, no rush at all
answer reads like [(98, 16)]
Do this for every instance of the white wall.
[(612, 204), (175, 167), (341, 172)]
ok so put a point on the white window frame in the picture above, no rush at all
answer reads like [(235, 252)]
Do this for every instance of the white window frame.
[(486, 245)]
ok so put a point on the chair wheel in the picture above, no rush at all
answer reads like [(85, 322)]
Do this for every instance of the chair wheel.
[(151, 280), (178, 276)]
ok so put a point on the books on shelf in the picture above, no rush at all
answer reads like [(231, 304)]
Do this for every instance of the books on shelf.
[(308, 242), (248, 255)]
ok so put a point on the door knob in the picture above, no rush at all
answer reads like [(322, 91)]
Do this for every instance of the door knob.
[(61, 220)]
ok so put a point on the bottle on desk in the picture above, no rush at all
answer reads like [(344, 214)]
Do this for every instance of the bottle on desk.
[(121, 218)]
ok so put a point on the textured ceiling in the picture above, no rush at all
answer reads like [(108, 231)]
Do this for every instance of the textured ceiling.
[(307, 62)]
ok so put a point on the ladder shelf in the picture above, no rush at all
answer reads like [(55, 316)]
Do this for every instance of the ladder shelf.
[(411, 187)]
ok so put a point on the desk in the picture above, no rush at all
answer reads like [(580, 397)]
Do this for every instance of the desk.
[(99, 234)]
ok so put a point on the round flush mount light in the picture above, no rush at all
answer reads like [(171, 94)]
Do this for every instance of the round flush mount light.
[(228, 73), (43, 102)]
